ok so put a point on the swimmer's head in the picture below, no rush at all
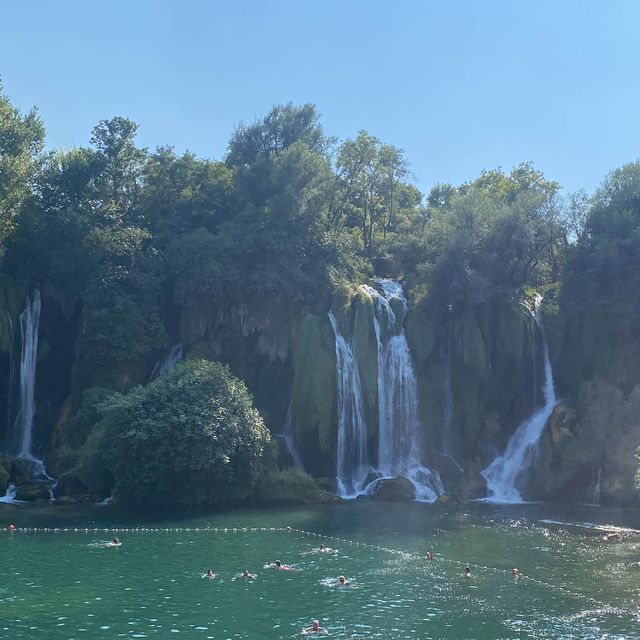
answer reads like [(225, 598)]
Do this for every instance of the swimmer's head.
[(321, 547), (341, 579), (278, 563), (315, 624)]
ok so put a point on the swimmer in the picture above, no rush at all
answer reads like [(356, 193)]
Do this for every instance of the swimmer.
[(430, 555), (467, 572), (289, 529), (209, 574), (114, 543), (282, 567), (249, 576), (315, 628), (515, 571), (11, 528), (612, 537), (343, 581)]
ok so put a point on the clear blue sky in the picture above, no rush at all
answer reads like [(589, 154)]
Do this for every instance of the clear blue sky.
[(459, 85)]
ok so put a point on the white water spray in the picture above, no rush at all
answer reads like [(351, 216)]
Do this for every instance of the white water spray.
[(399, 429), (10, 495), (504, 473), (352, 467)]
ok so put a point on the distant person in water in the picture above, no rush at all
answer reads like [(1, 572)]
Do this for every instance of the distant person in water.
[(282, 567), (250, 576), (114, 543), (429, 555), (209, 574), (343, 581), (315, 628), (467, 572), (515, 571)]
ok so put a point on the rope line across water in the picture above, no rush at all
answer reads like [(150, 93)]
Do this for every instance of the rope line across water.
[(366, 545)]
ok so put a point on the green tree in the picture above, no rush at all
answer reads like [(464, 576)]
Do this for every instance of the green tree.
[(190, 437), (21, 141)]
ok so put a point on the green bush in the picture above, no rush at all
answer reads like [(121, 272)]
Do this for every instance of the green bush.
[(190, 437), (286, 486)]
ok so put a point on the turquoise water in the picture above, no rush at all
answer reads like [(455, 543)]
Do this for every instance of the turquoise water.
[(65, 585)]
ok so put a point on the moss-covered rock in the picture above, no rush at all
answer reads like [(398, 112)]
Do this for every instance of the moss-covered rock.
[(394, 490), (289, 486), (313, 395)]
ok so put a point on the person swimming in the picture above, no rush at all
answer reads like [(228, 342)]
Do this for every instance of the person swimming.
[(250, 576), (113, 543), (315, 628), (515, 571), (467, 572), (281, 567), (209, 574), (430, 555), (343, 581)]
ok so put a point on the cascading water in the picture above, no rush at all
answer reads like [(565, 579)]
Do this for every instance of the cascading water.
[(287, 437), (29, 326), (503, 474), (174, 355), (399, 430), (352, 467)]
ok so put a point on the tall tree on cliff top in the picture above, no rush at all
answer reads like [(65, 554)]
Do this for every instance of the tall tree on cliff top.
[(371, 193), (21, 140)]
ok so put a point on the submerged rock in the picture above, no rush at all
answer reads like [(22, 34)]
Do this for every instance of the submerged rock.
[(395, 490)]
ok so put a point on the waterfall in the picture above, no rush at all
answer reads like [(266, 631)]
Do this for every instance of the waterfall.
[(29, 326), (352, 467), (287, 437), (503, 474), (10, 495), (174, 355), (399, 429)]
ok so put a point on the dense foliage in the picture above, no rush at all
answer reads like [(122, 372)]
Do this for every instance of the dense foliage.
[(190, 437)]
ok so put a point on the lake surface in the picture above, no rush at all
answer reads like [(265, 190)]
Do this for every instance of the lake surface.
[(65, 585)]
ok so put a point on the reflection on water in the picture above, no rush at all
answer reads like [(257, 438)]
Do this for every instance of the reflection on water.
[(69, 585)]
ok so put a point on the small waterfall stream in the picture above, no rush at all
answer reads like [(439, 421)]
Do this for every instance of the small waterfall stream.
[(352, 467), (503, 474), (287, 437), (174, 355), (29, 326)]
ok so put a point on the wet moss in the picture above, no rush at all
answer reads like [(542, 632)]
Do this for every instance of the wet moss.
[(313, 397)]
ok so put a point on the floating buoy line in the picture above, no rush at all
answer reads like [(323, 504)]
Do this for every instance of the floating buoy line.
[(405, 555)]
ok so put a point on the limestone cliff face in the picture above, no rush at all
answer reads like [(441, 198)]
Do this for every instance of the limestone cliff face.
[(478, 367), (493, 354)]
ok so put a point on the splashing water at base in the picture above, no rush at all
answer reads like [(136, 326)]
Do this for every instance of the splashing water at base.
[(503, 474)]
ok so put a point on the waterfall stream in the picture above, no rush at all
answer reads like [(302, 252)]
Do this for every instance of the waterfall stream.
[(504, 473), (174, 355), (399, 429), (29, 327), (352, 467), (287, 437)]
